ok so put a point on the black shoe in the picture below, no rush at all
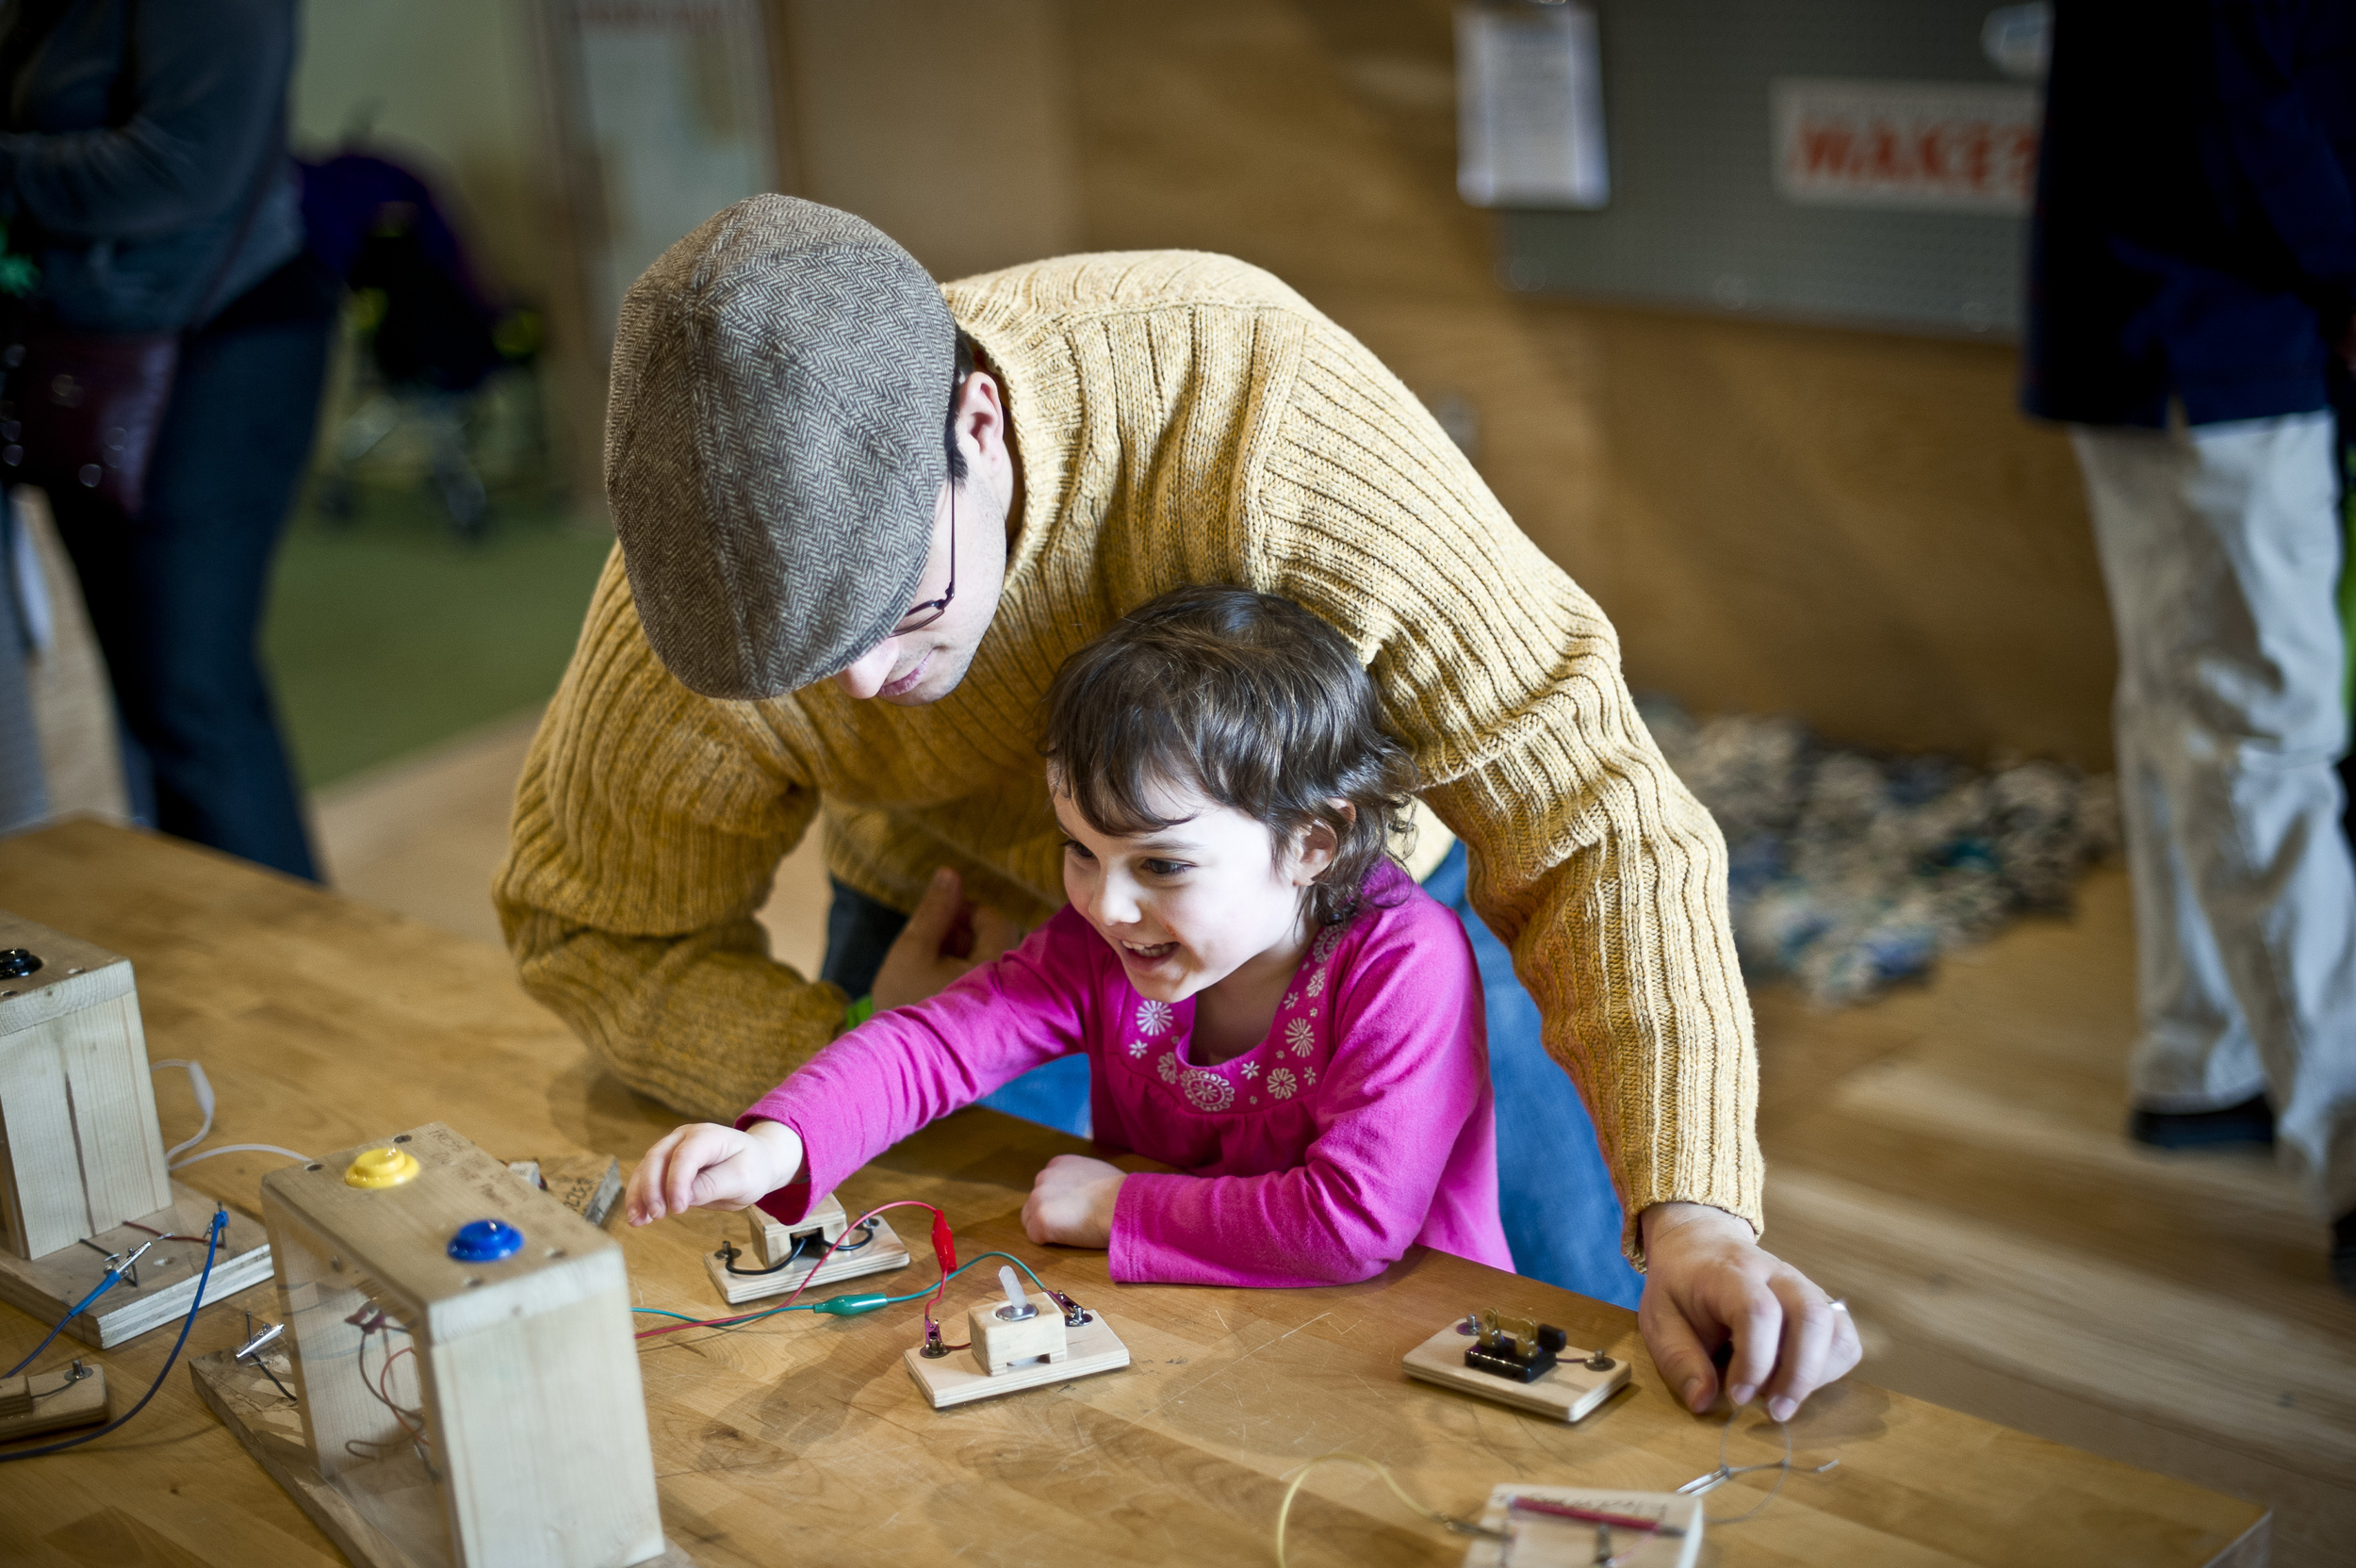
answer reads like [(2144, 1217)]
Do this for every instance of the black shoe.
[(2252, 1122), (2343, 1251)]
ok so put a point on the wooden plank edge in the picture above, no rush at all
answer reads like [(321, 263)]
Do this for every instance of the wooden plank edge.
[(2252, 1548), (231, 1389), (47, 1405), (217, 1377)]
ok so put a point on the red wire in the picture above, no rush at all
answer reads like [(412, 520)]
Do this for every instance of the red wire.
[(160, 1235), (945, 1249), (385, 1372)]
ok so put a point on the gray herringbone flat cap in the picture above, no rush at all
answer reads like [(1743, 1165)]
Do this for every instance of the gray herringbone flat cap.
[(772, 443)]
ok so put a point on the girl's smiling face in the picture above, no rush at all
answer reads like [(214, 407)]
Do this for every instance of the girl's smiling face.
[(1188, 906)]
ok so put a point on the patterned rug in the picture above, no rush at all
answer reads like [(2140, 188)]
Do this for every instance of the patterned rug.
[(1851, 871)]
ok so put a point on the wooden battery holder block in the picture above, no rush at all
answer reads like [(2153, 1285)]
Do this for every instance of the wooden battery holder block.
[(82, 1172), (774, 1254), (498, 1320), (1517, 1362)]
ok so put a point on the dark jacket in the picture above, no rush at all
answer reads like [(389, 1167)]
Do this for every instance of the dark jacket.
[(2195, 233), (136, 135)]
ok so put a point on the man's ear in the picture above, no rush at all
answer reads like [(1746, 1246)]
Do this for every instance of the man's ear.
[(982, 413)]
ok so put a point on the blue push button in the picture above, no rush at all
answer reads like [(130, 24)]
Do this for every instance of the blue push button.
[(485, 1241)]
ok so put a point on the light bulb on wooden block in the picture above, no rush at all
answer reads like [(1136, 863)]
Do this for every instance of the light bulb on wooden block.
[(785, 1257), (461, 1351), (81, 1155)]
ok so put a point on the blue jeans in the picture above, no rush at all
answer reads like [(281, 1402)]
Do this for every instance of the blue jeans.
[(175, 596), (1561, 1218)]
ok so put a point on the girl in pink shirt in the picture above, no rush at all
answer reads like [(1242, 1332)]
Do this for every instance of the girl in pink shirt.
[(1268, 1003)]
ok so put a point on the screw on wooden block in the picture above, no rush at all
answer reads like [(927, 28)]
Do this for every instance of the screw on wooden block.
[(18, 962)]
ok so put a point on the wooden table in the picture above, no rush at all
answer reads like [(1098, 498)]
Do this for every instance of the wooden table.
[(323, 1024)]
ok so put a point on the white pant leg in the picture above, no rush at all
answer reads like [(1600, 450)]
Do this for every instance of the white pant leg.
[(2220, 546)]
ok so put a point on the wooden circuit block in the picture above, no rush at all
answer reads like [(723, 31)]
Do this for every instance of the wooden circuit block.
[(80, 1150), (954, 1380), (73, 1396), (1566, 1392), (586, 1183), (45, 1287), (883, 1249), (1000, 1343), (509, 1428), (1546, 1539)]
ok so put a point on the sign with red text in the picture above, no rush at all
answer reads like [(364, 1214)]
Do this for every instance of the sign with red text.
[(1930, 146)]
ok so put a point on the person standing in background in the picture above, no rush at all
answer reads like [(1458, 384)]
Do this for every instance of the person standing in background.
[(2193, 268), (143, 169), (23, 789)]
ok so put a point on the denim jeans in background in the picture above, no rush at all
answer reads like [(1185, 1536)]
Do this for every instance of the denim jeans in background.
[(1561, 1218), (176, 595), (23, 789)]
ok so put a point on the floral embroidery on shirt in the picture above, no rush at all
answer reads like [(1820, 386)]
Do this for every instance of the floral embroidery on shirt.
[(1252, 1070), (1152, 1017), (1137, 1047), (1292, 998), (1328, 940), (1208, 1092), (1316, 985), (1280, 1083), (1308, 1075), (1299, 1036), (1169, 1067)]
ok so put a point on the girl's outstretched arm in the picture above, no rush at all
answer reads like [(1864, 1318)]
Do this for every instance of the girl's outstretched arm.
[(706, 1166), (915, 1064)]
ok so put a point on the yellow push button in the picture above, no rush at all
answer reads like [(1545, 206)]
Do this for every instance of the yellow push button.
[(381, 1167)]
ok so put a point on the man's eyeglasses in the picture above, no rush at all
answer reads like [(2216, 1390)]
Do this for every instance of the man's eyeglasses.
[(922, 616)]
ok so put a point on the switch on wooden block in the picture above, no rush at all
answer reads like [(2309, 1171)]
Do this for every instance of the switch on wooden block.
[(1000, 1342), (462, 1348)]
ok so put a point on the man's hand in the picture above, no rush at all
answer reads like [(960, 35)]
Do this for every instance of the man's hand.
[(1072, 1202), (944, 939), (1707, 1281), (706, 1166)]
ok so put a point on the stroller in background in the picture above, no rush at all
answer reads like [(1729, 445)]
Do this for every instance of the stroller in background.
[(431, 335)]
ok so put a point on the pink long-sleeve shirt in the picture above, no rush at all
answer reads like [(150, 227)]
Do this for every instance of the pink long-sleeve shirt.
[(1362, 1124)]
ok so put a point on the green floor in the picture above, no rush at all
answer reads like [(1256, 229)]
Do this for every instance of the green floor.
[(388, 633)]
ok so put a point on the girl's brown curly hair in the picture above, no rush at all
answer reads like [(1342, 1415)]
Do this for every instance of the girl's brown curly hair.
[(1247, 698)]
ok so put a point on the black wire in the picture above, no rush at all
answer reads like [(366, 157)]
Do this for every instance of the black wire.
[(802, 1248), (212, 1245)]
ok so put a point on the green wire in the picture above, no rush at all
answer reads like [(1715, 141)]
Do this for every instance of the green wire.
[(886, 1302)]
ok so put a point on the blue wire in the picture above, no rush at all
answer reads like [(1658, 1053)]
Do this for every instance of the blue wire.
[(103, 1285), (212, 1245)]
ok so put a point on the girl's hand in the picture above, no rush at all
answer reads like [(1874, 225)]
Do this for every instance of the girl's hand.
[(706, 1166), (1072, 1202)]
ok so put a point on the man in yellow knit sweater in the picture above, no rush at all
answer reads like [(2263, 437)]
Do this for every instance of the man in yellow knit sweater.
[(820, 608)]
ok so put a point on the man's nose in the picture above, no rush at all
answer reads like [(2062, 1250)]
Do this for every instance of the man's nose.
[(868, 673)]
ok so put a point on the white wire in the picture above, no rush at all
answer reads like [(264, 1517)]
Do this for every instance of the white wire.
[(242, 1149), (204, 1087)]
